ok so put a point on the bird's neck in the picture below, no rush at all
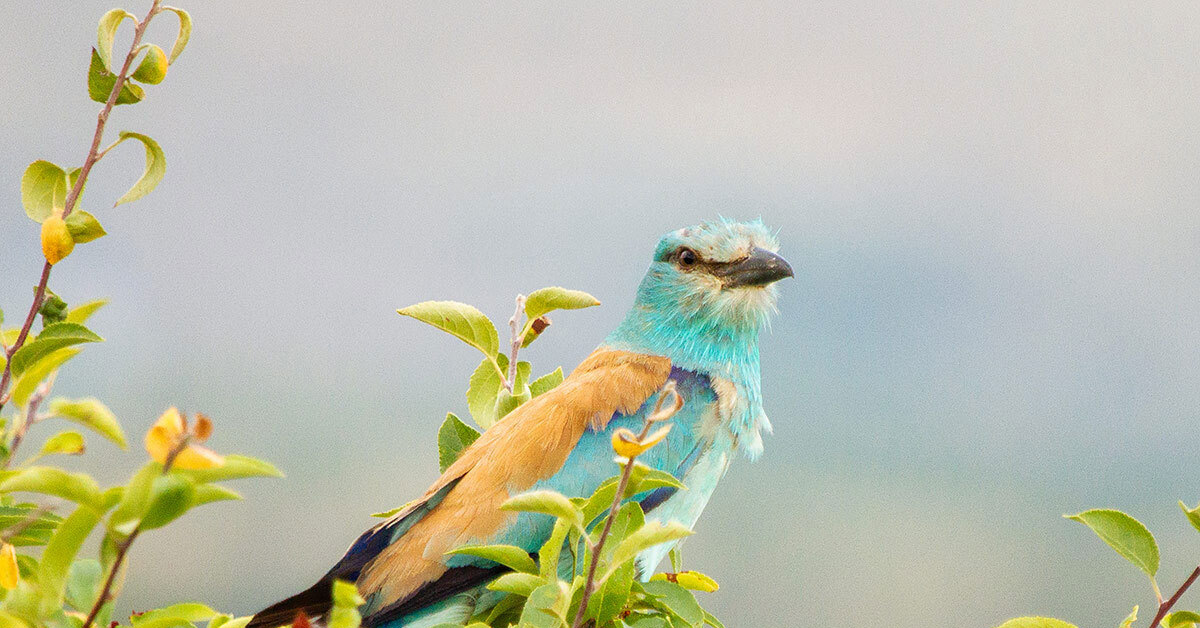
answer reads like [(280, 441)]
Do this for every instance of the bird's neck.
[(700, 344)]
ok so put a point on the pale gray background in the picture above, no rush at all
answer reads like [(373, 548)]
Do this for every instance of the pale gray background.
[(992, 211)]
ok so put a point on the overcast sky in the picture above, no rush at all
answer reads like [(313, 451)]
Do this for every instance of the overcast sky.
[(992, 211)]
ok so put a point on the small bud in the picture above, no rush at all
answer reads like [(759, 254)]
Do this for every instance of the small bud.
[(56, 239), (203, 428), (169, 433)]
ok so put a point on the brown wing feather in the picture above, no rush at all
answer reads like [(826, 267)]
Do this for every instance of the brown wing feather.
[(529, 445)]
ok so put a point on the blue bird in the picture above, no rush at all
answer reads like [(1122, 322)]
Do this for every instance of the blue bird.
[(696, 320)]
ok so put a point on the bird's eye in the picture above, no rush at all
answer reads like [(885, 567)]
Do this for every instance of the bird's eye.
[(688, 257)]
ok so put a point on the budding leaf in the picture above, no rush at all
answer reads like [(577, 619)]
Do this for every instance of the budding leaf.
[(1128, 621), (90, 413), (156, 167), (459, 320), (1124, 534), (453, 437), (43, 190), (101, 82), (548, 502), (153, 67), (546, 300), (81, 313), (84, 227), (185, 32), (107, 31), (508, 555), (69, 443)]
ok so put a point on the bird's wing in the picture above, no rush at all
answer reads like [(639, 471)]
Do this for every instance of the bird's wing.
[(400, 565)]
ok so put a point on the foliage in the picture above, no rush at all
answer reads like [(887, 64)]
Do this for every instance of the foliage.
[(1135, 543), (585, 573), (47, 514)]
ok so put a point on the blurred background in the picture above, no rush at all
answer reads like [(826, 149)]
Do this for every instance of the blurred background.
[(992, 210)]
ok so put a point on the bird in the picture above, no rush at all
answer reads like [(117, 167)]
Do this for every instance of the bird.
[(696, 320)]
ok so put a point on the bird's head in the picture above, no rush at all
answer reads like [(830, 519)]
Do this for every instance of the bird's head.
[(710, 282)]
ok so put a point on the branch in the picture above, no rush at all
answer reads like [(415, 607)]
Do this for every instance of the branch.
[(1165, 607), (73, 195)]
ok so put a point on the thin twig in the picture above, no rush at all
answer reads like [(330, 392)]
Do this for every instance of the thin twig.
[(1165, 607), (123, 546), (658, 415), (35, 400), (515, 327), (73, 195)]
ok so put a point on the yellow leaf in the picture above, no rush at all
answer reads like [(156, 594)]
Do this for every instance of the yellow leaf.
[(9, 573), (626, 443)]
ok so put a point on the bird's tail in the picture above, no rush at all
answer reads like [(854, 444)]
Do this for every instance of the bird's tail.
[(314, 602)]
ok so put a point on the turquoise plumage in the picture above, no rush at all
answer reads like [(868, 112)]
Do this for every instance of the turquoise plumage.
[(696, 320)]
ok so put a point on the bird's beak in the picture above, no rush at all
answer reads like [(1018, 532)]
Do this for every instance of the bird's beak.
[(761, 268)]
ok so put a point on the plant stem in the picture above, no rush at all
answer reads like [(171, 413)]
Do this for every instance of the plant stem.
[(123, 546), (73, 195), (28, 419), (1165, 607), (514, 326), (589, 584)]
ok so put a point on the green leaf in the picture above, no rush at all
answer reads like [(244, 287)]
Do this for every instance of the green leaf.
[(546, 300), (544, 608), (107, 30), (546, 382), (709, 620), (1124, 534), (75, 487), (52, 338), (459, 320), (37, 532), (611, 596), (189, 612), (153, 67), (185, 32), (156, 167), (517, 583), (510, 556), (82, 313), (1193, 514), (43, 190), (1035, 622), (236, 467), (83, 584), (548, 502), (209, 493), (84, 227), (651, 534), (506, 402), (676, 599), (483, 388), (60, 553), (101, 83), (69, 443), (171, 495), (237, 622), (9, 620), (28, 382), (90, 413), (453, 437), (550, 551), (1181, 619), (1132, 617)]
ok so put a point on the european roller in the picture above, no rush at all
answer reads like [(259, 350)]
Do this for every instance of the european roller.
[(696, 320)]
